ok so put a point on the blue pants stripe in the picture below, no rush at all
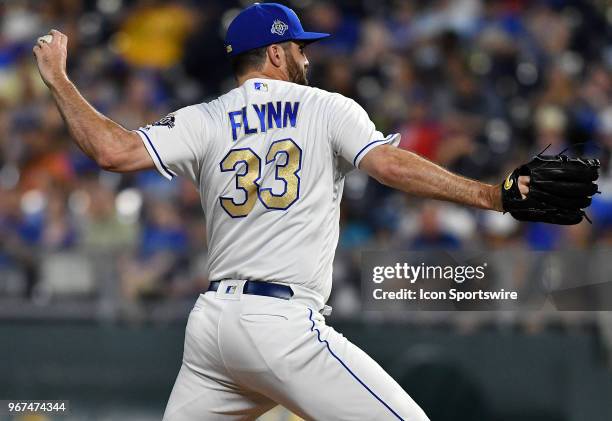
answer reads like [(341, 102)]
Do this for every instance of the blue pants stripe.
[(312, 329)]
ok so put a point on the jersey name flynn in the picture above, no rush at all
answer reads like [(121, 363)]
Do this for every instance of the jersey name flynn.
[(269, 116), (269, 160)]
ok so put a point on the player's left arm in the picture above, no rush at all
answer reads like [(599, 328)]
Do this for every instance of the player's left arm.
[(411, 173)]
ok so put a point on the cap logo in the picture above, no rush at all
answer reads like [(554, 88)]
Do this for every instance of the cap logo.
[(279, 28), (228, 48)]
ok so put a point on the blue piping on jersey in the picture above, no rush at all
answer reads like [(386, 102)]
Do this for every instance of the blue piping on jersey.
[(312, 329), (370, 144), (170, 173)]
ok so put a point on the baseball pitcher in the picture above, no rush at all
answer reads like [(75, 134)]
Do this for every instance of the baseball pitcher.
[(269, 159)]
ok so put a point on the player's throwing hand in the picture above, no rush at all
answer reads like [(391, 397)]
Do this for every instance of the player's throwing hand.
[(51, 57)]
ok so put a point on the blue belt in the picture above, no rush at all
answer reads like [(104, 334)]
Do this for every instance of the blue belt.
[(267, 289)]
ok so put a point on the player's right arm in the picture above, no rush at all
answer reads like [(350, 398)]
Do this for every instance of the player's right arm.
[(113, 147)]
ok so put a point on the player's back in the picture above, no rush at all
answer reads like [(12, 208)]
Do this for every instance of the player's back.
[(269, 158), (271, 187)]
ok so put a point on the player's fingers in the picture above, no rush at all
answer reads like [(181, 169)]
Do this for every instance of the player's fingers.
[(57, 36), (64, 41), (523, 182)]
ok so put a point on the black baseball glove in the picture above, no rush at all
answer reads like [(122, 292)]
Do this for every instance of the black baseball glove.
[(560, 188)]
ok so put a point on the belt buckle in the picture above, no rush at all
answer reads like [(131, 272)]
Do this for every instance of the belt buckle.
[(230, 289)]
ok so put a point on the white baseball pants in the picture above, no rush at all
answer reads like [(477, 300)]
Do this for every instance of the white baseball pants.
[(245, 354)]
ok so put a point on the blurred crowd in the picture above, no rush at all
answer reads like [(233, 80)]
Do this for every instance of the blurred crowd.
[(478, 86)]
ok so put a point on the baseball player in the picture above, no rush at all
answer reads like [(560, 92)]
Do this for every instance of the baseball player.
[(269, 159)]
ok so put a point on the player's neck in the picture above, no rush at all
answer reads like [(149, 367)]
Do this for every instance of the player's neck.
[(262, 75)]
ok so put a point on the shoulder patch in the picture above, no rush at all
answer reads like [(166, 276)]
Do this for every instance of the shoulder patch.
[(167, 121)]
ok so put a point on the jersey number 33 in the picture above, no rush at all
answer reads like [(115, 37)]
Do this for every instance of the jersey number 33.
[(248, 177)]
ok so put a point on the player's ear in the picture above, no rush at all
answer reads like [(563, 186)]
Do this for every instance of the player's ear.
[(276, 55)]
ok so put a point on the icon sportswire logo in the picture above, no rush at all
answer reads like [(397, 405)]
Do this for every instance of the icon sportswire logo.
[(279, 27)]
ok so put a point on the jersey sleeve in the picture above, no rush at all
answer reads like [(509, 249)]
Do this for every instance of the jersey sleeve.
[(177, 142), (353, 134)]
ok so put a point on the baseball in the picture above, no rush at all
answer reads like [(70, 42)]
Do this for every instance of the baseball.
[(45, 38)]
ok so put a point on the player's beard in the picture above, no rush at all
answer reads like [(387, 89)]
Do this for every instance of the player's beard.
[(296, 75)]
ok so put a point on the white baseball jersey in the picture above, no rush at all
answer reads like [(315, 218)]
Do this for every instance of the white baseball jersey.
[(269, 159)]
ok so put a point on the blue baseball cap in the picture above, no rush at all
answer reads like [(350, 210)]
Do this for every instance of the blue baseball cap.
[(264, 24)]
